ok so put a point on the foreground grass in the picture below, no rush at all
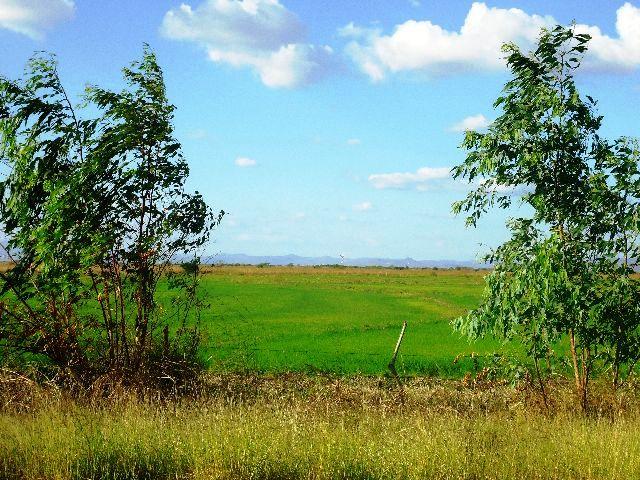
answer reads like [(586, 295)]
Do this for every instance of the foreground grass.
[(339, 320), (321, 429)]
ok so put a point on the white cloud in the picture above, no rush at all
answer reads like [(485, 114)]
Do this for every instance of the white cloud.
[(259, 34), (420, 45), (363, 207), (197, 134), (351, 30), (622, 52), (354, 141), (34, 17), (473, 122), (244, 162), (425, 46), (419, 179)]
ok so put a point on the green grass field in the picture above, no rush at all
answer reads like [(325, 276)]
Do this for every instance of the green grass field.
[(341, 320)]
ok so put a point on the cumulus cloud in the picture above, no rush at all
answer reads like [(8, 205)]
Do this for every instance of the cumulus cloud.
[(34, 17), (259, 34), (622, 52), (244, 162), (401, 180), (423, 45), (473, 122), (363, 207), (420, 45)]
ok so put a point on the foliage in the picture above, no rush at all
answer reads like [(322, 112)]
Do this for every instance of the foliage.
[(566, 270), (95, 211)]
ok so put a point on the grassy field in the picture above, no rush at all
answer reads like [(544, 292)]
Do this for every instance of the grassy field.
[(266, 424), (306, 427), (341, 320)]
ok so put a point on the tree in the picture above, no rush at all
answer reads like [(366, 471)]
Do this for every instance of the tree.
[(560, 274), (96, 213)]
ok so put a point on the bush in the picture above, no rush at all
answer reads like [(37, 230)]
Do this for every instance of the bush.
[(96, 213)]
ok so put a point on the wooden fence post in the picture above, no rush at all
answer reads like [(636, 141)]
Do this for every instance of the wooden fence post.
[(392, 363)]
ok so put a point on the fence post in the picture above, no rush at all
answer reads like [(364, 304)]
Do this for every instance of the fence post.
[(392, 363)]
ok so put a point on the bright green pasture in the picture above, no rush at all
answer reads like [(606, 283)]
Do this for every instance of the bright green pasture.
[(342, 320)]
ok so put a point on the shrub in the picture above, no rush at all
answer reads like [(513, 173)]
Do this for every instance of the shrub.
[(96, 213)]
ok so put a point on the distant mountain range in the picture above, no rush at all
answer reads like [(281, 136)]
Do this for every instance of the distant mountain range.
[(240, 258), (283, 260)]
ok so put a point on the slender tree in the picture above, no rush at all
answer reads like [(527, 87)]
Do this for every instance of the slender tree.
[(557, 274)]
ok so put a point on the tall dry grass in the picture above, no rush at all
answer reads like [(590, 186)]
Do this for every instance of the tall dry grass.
[(295, 426)]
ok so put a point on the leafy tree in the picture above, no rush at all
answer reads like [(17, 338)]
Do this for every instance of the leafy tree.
[(95, 212), (560, 274)]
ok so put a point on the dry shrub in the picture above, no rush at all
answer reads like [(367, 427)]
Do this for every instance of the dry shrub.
[(28, 390)]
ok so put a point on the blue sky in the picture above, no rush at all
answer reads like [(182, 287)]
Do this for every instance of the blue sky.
[(328, 128)]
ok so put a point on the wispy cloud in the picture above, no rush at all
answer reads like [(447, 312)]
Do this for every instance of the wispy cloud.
[(401, 180), (197, 134), (230, 221), (363, 207), (473, 122), (34, 17), (354, 141), (244, 162), (258, 34)]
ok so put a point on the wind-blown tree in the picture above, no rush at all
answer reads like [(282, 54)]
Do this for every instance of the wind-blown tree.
[(560, 274), (96, 212)]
